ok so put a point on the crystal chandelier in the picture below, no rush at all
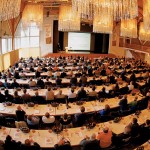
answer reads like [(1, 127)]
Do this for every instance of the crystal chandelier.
[(129, 28), (33, 13), (120, 9), (103, 23), (124, 9), (146, 14), (144, 35), (67, 20), (9, 9)]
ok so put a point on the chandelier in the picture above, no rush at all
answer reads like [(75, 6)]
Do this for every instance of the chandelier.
[(120, 9), (9, 9), (144, 35), (67, 20), (103, 23), (129, 28), (146, 14), (32, 14)]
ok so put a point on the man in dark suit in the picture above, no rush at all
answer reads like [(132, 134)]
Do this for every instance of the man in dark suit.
[(123, 104), (81, 94), (14, 84), (90, 143), (20, 114), (73, 80)]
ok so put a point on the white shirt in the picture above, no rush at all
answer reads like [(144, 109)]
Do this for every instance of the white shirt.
[(72, 95), (49, 95), (131, 87), (51, 119)]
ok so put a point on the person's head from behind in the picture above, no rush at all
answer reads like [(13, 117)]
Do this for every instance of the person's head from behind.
[(47, 115), (72, 90), (82, 109), (8, 138), (93, 136), (24, 91), (93, 88), (6, 92), (65, 116), (27, 142), (107, 107), (105, 130), (29, 117), (148, 122), (60, 92), (134, 121), (48, 89), (19, 107)]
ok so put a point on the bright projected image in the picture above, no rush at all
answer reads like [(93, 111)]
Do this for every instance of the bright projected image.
[(79, 41)]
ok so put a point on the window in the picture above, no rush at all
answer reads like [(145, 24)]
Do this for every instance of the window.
[(29, 37), (9, 44), (4, 46), (24, 42)]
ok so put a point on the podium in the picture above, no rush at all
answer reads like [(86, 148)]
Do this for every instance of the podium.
[(66, 49)]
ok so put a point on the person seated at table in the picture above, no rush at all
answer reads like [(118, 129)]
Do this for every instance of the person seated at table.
[(135, 127), (10, 144), (119, 79), (9, 75), (48, 119), (131, 86), (73, 80), (40, 83), (99, 81), (8, 97), (60, 95), (93, 81), (105, 111), (6, 84), (37, 99), (90, 72), (103, 72), (20, 114), (81, 94), (93, 93), (58, 81), (133, 77), (145, 130), (26, 96), (31, 69), (134, 104), (97, 72), (71, 94), (81, 118), (90, 143), (78, 74), (63, 144), (30, 145), (102, 93), (63, 74), (17, 99), (32, 83), (112, 79), (1, 145), (66, 121), (124, 137), (49, 95), (16, 74), (14, 84), (105, 138), (123, 104), (37, 74), (83, 80), (33, 121), (49, 72), (22, 75), (57, 74)]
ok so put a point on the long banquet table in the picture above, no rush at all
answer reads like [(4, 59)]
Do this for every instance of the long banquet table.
[(47, 139), (40, 110)]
